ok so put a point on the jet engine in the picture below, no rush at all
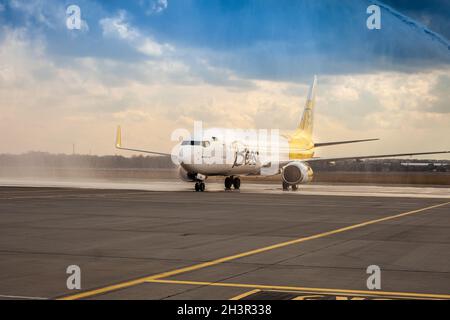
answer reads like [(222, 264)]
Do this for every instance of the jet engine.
[(186, 176), (297, 172)]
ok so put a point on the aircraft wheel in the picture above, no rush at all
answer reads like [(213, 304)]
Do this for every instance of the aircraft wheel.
[(202, 187), (237, 183), (197, 187), (228, 183), (285, 186), (294, 187)]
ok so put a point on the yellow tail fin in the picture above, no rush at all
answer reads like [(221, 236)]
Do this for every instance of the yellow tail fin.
[(305, 128), (301, 145)]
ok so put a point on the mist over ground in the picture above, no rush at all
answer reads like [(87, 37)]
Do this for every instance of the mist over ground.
[(41, 166)]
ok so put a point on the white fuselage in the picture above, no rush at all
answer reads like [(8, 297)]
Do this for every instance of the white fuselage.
[(231, 154)]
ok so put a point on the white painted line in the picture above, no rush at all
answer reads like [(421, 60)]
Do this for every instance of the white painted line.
[(22, 297)]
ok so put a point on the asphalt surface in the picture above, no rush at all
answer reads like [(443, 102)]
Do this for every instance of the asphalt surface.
[(133, 244)]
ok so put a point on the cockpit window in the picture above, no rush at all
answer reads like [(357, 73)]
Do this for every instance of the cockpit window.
[(191, 143), (204, 144)]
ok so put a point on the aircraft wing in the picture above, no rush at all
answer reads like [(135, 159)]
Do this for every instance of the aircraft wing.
[(326, 144), (119, 146), (376, 156), (286, 162)]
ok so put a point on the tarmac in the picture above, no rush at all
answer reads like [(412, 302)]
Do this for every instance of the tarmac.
[(160, 240)]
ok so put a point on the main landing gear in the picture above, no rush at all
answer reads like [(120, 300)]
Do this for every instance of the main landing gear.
[(287, 185), (200, 186), (232, 182)]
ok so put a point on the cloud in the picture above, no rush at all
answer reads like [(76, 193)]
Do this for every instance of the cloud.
[(388, 100), (152, 48), (119, 27), (48, 106), (154, 6), (441, 94)]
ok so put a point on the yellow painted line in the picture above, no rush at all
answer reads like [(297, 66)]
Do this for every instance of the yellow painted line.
[(245, 294), (338, 298), (353, 296), (175, 272), (307, 290), (306, 297)]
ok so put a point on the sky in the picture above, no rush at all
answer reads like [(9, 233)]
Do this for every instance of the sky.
[(154, 66)]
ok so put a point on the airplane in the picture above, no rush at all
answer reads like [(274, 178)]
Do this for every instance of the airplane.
[(220, 152)]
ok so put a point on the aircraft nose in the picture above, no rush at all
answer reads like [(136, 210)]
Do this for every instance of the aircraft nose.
[(183, 155), (190, 154)]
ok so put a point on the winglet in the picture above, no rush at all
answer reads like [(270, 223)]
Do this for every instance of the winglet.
[(119, 145), (119, 137)]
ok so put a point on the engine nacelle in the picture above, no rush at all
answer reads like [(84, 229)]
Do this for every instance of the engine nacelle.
[(297, 172), (186, 176)]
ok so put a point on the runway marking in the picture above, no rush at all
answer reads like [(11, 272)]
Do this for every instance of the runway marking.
[(327, 291), (243, 295), (195, 267)]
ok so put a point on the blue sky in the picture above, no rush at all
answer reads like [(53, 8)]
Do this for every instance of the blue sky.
[(270, 39), (432, 13), (150, 61)]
